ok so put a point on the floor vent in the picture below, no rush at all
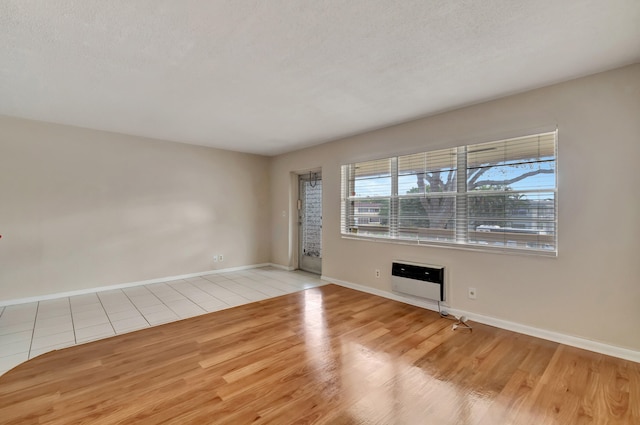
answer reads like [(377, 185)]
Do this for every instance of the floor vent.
[(421, 280)]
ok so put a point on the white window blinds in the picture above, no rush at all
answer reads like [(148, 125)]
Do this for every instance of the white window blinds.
[(426, 195), (496, 195)]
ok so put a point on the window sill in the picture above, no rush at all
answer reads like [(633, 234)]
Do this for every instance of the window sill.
[(452, 245)]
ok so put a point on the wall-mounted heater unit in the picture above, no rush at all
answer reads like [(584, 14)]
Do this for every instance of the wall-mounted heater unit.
[(421, 280)]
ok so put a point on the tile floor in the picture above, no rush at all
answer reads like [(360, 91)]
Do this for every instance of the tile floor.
[(28, 330)]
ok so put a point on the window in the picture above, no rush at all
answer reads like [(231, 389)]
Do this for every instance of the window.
[(498, 195)]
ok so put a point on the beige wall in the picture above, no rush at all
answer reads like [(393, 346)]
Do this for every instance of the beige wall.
[(82, 208), (592, 290)]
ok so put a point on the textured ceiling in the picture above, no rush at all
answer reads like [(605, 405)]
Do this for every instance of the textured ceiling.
[(272, 76)]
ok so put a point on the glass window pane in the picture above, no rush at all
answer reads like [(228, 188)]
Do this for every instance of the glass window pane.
[(540, 175), (515, 164), (436, 182), (426, 217), (427, 172), (372, 187), (523, 220), (371, 179), (513, 151), (371, 217)]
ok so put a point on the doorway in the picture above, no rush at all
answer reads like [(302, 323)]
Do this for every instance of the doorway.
[(310, 222)]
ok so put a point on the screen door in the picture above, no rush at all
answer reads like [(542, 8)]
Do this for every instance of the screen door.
[(310, 223)]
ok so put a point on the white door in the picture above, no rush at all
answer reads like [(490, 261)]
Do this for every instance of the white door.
[(310, 223)]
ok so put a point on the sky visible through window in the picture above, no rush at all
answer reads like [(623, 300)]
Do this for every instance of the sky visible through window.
[(381, 187)]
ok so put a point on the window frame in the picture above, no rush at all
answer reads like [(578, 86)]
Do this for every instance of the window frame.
[(528, 240)]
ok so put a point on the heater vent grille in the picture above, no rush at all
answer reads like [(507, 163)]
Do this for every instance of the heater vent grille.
[(420, 280)]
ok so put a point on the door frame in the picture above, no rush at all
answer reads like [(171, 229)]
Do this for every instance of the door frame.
[(296, 217)]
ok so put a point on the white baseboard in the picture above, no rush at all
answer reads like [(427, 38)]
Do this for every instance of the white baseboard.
[(280, 266), (127, 285), (407, 299), (586, 344)]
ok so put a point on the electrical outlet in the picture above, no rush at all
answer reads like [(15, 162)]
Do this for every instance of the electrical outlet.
[(220, 258), (377, 273), (215, 258), (472, 293)]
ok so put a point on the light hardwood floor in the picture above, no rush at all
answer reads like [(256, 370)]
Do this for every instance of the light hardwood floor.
[(28, 330), (327, 355)]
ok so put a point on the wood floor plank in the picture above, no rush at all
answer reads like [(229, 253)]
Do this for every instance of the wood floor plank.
[(326, 355)]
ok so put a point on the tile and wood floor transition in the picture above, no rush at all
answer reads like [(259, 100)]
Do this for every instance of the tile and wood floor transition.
[(28, 330), (324, 355)]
